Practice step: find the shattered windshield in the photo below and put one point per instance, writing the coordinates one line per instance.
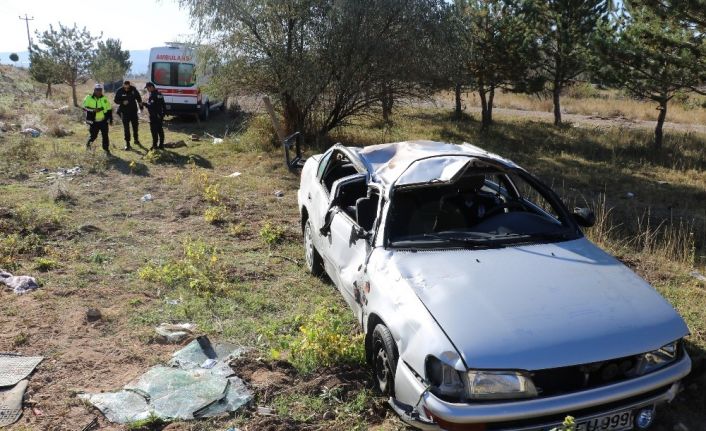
(483, 207)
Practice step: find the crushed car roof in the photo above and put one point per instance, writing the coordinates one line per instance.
(397, 162)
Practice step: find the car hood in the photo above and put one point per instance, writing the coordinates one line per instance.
(538, 306)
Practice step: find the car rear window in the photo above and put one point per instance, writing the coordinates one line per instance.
(173, 74)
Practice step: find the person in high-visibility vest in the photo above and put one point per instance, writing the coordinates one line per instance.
(99, 112)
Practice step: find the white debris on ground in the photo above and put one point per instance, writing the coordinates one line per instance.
(31, 131)
(14, 371)
(174, 333)
(196, 383)
(18, 283)
(234, 175)
(147, 198)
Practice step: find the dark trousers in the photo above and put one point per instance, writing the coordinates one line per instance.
(128, 119)
(157, 132)
(102, 127)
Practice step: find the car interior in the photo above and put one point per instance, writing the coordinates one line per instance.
(354, 198)
(479, 202)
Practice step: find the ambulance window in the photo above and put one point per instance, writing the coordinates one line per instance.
(161, 73)
(185, 72)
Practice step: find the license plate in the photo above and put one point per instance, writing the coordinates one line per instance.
(613, 422)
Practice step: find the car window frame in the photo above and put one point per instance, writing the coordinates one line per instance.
(543, 189)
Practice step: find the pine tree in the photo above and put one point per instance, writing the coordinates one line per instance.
(567, 33)
(653, 56)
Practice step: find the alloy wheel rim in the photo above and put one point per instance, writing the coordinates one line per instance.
(309, 245)
(381, 366)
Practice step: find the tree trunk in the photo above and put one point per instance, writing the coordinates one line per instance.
(660, 123)
(491, 97)
(458, 112)
(48, 90)
(73, 92)
(556, 92)
(387, 103)
(483, 107)
(293, 118)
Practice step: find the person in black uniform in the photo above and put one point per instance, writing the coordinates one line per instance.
(129, 101)
(155, 106)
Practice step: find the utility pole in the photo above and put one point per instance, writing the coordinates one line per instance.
(29, 40)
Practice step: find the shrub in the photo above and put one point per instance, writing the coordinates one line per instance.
(211, 193)
(43, 264)
(197, 270)
(271, 234)
(215, 214)
(258, 136)
(325, 339)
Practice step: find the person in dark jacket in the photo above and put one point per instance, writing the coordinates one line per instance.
(129, 102)
(156, 108)
(99, 113)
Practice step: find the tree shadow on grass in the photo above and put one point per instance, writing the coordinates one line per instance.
(218, 125)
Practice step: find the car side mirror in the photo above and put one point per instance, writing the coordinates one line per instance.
(584, 217)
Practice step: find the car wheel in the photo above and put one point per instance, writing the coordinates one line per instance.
(312, 258)
(205, 112)
(384, 359)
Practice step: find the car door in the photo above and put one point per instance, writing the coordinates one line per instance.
(347, 253)
(345, 247)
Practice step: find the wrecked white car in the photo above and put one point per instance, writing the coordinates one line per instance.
(484, 306)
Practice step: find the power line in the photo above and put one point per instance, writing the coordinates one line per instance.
(29, 39)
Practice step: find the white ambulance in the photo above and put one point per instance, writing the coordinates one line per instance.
(172, 68)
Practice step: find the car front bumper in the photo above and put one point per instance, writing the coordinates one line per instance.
(540, 413)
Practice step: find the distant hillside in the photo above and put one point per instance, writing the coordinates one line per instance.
(140, 59)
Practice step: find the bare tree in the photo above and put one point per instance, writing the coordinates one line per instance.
(326, 61)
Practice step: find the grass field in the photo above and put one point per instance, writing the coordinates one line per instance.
(585, 99)
(224, 253)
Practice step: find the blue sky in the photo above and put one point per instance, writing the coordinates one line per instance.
(139, 24)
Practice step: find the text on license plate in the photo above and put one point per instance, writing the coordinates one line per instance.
(612, 422)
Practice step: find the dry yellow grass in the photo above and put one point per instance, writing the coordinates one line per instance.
(601, 103)
(606, 107)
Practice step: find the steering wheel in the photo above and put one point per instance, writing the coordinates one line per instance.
(505, 205)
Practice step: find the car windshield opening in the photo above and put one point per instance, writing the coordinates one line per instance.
(486, 207)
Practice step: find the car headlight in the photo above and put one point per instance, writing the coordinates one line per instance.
(499, 385)
(453, 385)
(446, 382)
(656, 359)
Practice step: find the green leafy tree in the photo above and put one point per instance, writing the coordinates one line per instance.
(71, 49)
(44, 69)
(653, 57)
(498, 48)
(111, 62)
(326, 61)
(567, 31)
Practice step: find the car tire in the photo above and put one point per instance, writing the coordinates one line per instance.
(384, 360)
(312, 258)
(205, 112)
